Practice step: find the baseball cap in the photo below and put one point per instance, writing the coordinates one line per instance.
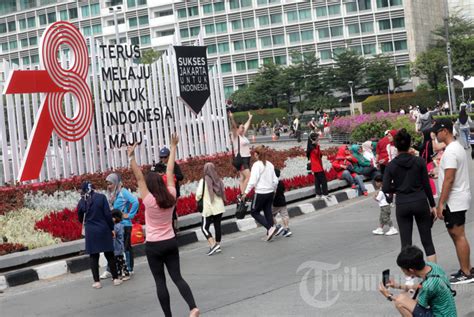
(442, 123)
(164, 152)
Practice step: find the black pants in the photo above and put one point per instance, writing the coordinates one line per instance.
(263, 202)
(382, 169)
(163, 253)
(206, 223)
(420, 210)
(94, 260)
(127, 243)
(320, 183)
(121, 266)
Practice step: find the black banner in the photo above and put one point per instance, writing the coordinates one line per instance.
(193, 76)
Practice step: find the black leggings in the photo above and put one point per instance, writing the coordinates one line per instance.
(206, 223)
(420, 210)
(94, 260)
(263, 202)
(163, 253)
(127, 242)
(320, 183)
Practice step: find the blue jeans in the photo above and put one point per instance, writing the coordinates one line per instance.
(357, 179)
(465, 135)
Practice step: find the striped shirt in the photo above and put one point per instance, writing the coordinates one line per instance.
(435, 293)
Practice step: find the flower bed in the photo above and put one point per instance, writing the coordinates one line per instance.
(6, 248)
(45, 214)
(350, 123)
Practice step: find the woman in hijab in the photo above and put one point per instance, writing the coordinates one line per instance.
(464, 125)
(94, 211)
(211, 190)
(121, 199)
(368, 153)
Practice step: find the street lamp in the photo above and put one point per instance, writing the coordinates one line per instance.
(114, 10)
(446, 70)
(351, 84)
(450, 63)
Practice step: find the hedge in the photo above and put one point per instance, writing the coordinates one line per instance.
(269, 115)
(453, 117)
(398, 100)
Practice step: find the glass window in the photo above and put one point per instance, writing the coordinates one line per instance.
(384, 24)
(131, 3)
(63, 15)
(194, 30)
(4, 47)
(228, 90)
(369, 49)
(12, 26)
(26, 60)
(338, 51)
(325, 55)
(33, 40)
(321, 11)
(133, 22)
(262, 2)
(403, 71)
(351, 7)
(238, 45)
(294, 37)
(323, 33)
(276, 18)
(143, 20)
(263, 20)
(86, 30)
(226, 67)
(245, 3)
(307, 35)
(51, 17)
(72, 14)
(401, 45)
(252, 64)
(365, 5)
(219, 6)
(182, 13)
(141, 2)
(367, 27)
(95, 9)
(34, 59)
(207, 8)
(278, 39)
(193, 11)
(398, 23)
(42, 19)
(353, 29)
(31, 22)
(135, 40)
(357, 49)
(145, 39)
(236, 25)
(292, 16)
(337, 31)
(210, 28)
(251, 43)
(184, 33)
(234, 4)
(280, 60)
(24, 43)
(248, 23)
(305, 14)
(267, 60)
(85, 12)
(96, 29)
(13, 45)
(334, 9)
(395, 2)
(382, 3)
(240, 66)
(266, 41)
(221, 27)
(223, 47)
(21, 22)
(211, 49)
(387, 47)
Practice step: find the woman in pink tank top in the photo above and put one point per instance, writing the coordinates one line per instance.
(161, 244)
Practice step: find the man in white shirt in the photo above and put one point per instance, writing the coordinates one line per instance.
(453, 179)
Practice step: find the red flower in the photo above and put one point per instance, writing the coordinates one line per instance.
(62, 224)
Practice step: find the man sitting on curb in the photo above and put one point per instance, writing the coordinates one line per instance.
(433, 297)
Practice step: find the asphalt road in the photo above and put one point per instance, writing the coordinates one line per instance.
(330, 267)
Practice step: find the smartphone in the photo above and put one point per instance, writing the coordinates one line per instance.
(385, 277)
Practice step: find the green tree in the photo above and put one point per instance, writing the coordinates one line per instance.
(348, 66)
(378, 71)
(429, 65)
(149, 56)
(268, 84)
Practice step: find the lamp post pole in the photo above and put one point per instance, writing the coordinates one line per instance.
(450, 63)
(351, 83)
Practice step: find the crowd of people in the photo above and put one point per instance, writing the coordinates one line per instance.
(403, 176)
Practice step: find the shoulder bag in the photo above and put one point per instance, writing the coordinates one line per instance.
(200, 203)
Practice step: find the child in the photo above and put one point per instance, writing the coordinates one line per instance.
(119, 248)
(384, 210)
(279, 207)
(313, 153)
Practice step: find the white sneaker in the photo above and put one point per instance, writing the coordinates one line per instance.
(392, 231)
(318, 197)
(117, 282)
(378, 231)
(105, 275)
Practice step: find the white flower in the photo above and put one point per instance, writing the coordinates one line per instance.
(57, 201)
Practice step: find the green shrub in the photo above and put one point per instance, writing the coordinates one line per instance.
(405, 122)
(422, 98)
(369, 131)
(268, 115)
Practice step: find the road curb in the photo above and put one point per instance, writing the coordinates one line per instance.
(81, 263)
